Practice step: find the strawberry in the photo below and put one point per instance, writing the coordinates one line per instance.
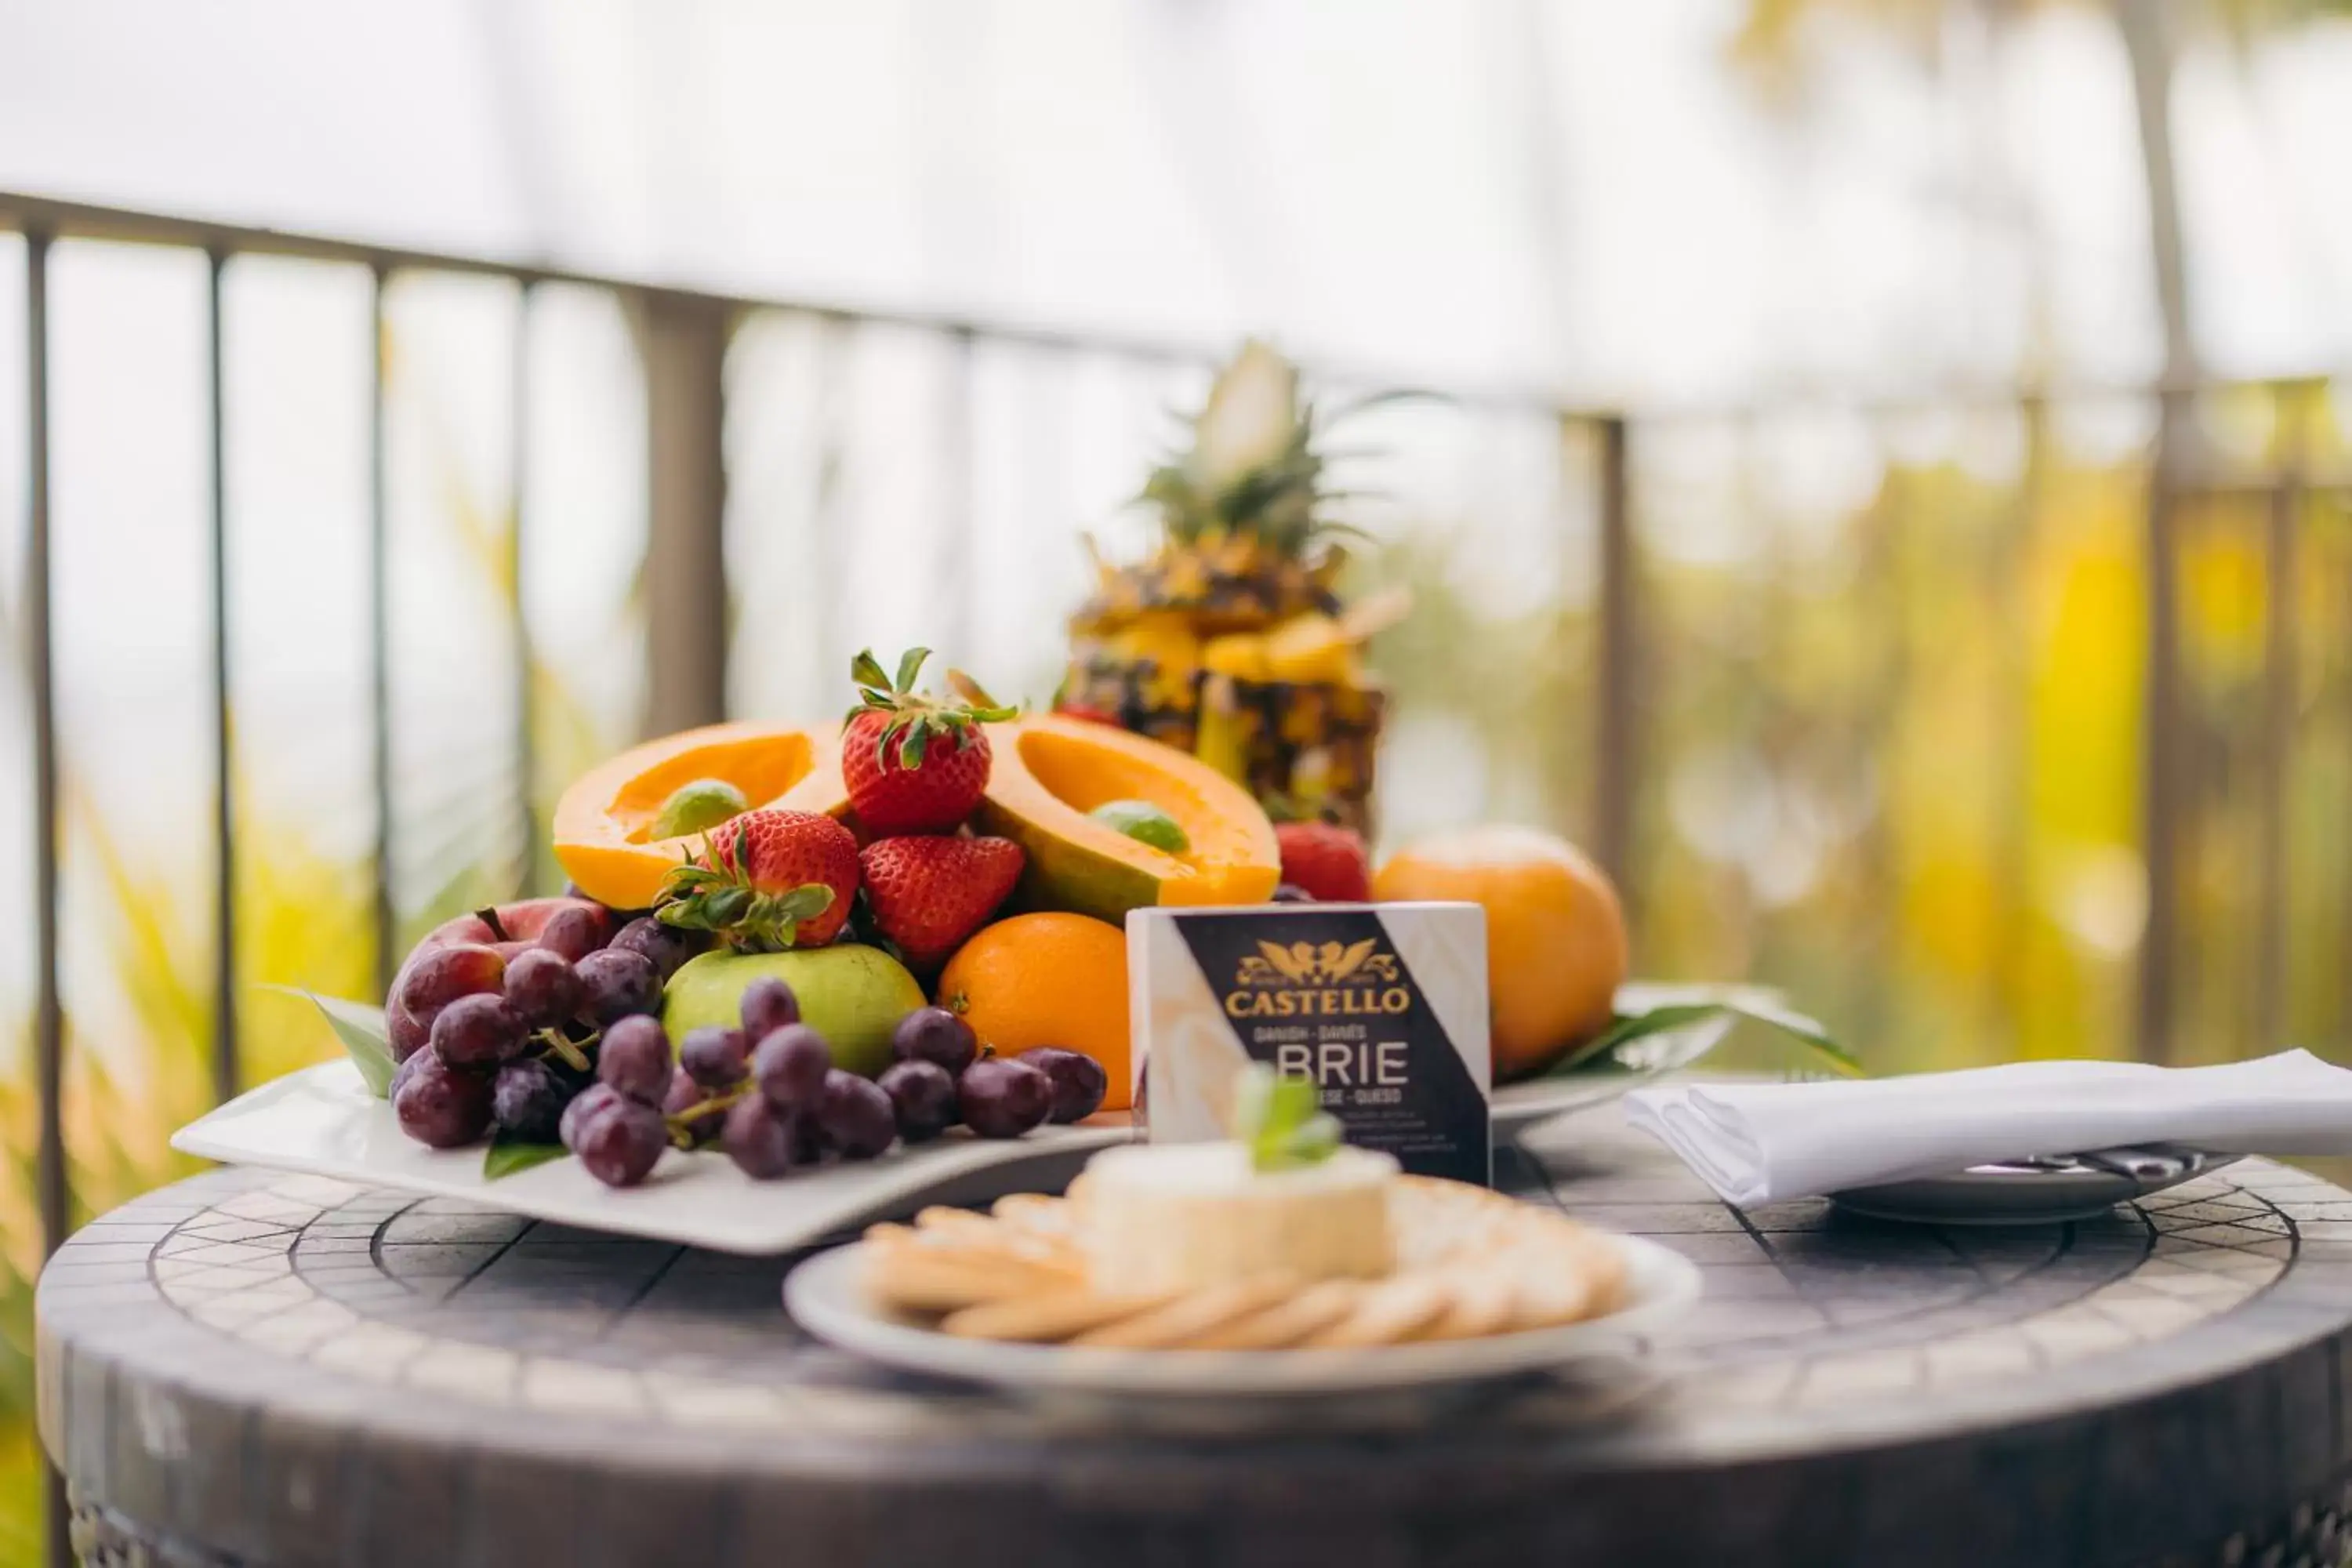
(928, 893)
(765, 880)
(1325, 860)
(913, 763)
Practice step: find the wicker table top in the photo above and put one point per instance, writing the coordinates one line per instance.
(259, 1369)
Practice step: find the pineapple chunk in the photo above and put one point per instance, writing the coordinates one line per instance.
(1311, 649)
(1238, 653)
(1167, 640)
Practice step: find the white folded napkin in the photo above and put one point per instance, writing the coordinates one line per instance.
(1760, 1143)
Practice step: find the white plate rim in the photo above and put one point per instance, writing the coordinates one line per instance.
(693, 1199)
(824, 1297)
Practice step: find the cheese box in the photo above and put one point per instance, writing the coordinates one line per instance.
(1384, 1006)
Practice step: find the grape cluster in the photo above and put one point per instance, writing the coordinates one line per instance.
(558, 1039)
(788, 1107)
(508, 1036)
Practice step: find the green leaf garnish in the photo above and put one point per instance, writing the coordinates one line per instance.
(359, 1026)
(508, 1153)
(1281, 1122)
(1680, 1008)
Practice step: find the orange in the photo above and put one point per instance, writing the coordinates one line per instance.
(1047, 979)
(1556, 948)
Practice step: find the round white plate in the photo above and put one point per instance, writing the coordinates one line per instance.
(828, 1298)
(1618, 1073)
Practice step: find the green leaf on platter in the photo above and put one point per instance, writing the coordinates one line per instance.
(1669, 1013)
(359, 1026)
(508, 1153)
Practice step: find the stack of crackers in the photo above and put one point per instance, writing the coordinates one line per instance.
(1470, 1263)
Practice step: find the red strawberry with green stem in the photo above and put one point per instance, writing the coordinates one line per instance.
(766, 880)
(928, 893)
(914, 763)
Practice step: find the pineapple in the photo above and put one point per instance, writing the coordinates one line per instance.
(1228, 641)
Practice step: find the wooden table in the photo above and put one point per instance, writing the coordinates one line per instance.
(253, 1369)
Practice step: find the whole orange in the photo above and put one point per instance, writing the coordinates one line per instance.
(1046, 979)
(1556, 949)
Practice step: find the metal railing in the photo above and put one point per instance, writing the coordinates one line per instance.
(683, 337)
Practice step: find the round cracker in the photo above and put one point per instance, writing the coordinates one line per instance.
(1394, 1312)
(1046, 1319)
(1286, 1323)
(1191, 1317)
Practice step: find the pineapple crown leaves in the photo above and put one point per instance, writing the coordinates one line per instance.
(1256, 461)
(915, 721)
(715, 894)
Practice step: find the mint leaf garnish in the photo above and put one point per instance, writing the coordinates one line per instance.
(1281, 1122)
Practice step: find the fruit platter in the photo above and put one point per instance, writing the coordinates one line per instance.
(809, 974)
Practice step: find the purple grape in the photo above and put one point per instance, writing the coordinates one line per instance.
(617, 986)
(664, 947)
(529, 1099)
(790, 1064)
(684, 1094)
(405, 1034)
(1003, 1098)
(763, 1142)
(543, 988)
(634, 1060)
(1292, 893)
(438, 976)
(854, 1116)
(590, 1101)
(441, 1106)
(479, 1031)
(622, 1143)
(403, 1068)
(576, 930)
(922, 1098)
(768, 1004)
(935, 1035)
(715, 1057)
(1080, 1081)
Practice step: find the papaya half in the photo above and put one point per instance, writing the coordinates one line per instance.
(1048, 771)
(603, 827)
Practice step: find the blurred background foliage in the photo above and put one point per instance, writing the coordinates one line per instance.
(1890, 655)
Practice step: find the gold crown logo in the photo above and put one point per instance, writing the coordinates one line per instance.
(1307, 964)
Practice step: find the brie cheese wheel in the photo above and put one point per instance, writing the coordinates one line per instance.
(1172, 1217)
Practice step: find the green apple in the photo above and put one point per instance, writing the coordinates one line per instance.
(852, 994)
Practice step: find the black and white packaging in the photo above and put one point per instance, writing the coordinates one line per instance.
(1384, 1006)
